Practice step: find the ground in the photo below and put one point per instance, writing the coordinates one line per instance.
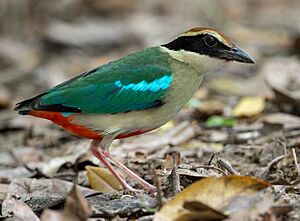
(243, 121)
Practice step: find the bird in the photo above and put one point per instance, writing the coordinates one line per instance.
(134, 94)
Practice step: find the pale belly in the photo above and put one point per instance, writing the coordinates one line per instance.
(127, 122)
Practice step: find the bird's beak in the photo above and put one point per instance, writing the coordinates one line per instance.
(237, 54)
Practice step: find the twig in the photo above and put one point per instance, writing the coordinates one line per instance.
(174, 179)
(93, 194)
(211, 158)
(63, 175)
(211, 167)
(295, 160)
(17, 160)
(263, 174)
(228, 167)
(146, 218)
(158, 189)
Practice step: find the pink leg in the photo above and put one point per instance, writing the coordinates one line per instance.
(100, 155)
(147, 186)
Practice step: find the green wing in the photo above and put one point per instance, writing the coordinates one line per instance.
(136, 82)
(110, 90)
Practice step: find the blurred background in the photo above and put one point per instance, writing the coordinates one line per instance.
(43, 43)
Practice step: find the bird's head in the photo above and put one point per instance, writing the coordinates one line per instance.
(205, 47)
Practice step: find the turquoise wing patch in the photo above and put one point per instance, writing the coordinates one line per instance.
(162, 83)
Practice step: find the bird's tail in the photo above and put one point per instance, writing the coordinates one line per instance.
(24, 107)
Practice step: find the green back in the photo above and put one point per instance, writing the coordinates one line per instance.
(136, 82)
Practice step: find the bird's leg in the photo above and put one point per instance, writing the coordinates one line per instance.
(98, 152)
(147, 186)
(103, 153)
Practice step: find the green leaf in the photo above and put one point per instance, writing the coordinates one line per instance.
(218, 121)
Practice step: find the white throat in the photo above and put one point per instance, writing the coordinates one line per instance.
(200, 62)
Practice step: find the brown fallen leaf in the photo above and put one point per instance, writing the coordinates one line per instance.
(171, 160)
(3, 191)
(120, 205)
(13, 173)
(76, 209)
(21, 211)
(282, 76)
(4, 98)
(213, 192)
(209, 108)
(287, 120)
(205, 146)
(250, 207)
(39, 193)
(197, 210)
(102, 180)
(70, 157)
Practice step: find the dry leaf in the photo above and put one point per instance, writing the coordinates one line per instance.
(282, 76)
(121, 205)
(20, 211)
(225, 85)
(13, 173)
(38, 193)
(211, 107)
(287, 120)
(102, 180)
(249, 106)
(171, 159)
(76, 209)
(70, 157)
(3, 191)
(4, 98)
(250, 207)
(197, 210)
(209, 147)
(212, 192)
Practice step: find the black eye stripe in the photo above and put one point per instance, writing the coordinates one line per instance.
(194, 43)
(205, 44)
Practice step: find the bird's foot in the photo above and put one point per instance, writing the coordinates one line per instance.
(129, 188)
(102, 155)
(146, 186)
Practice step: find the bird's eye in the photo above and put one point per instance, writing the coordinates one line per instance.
(210, 41)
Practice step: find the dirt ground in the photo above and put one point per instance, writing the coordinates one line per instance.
(244, 121)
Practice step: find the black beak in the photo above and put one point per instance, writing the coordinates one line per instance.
(237, 54)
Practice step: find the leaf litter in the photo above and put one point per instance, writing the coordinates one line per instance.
(244, 119)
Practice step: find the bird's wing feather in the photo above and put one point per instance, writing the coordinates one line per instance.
(109, 89)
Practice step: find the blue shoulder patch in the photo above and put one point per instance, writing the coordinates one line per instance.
(162, 83)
